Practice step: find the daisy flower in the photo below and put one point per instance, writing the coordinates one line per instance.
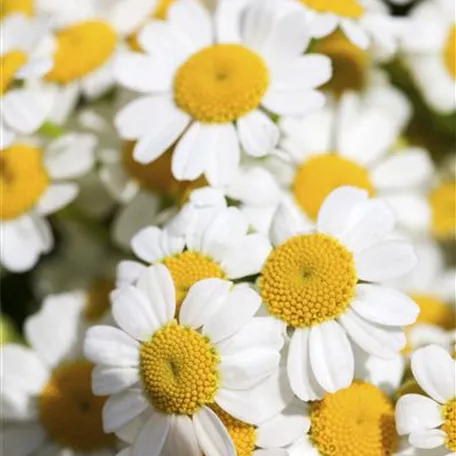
(47, 403)
(430, 50)
(216, 354)
(430, 420)
(311, 282)
(25, 55)
(34, 183)
(207, 90)
(24, 7)
(355, 143)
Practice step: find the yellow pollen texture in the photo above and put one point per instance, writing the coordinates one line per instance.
(434, 311)
(356, 421)
(69, 411)
(16, 6)
(81, 49)
(308, 280)
(190, 267)
(242, 434)
(450, 52)
(350, 63)
(449, 426)
(443, 206)
(221, 83)
(317, 177)
(345, 8)
(98, 301)
(9, 65)
(179, 369)
(23, 179)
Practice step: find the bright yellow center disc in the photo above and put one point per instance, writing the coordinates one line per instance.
(221, 83)
(356, 421)
(9, 65)
(345, 8)
(308, 280)
(450, 53)
(443, 206)
(317, 177)
(434, 311)
(179, 369)
(81, 49)
(449, 415)
(98, 301)
(23, 179)
(69, 411)
(16, 6)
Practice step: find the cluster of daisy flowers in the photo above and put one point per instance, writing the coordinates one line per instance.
(227, 227)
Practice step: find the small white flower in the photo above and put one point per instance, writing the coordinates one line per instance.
(170, 367)
(430, 421)
(311, 281)
(207, 89)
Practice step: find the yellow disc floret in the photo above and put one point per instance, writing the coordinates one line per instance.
(9, 65)
(16, 6)
(443, 206)
(317, 177)
(350, 63)
(308, 280)
(70, 412)
(221, 83)
(345, 8)
(81, 49)
(450, 52)
(179, 370)
(190, 267)
(449, 426)
(98, 301)
(433, 311)
(242, 434)
(23, 179)
(356, 421)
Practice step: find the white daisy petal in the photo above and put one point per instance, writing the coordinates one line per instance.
(294, 102)
(22, 440)
(112, 380)
(128, 272)
(411, 210)
(181, 439)
(323, 24)
(213, 438)
(428, 439)
(153, 436)
(56, 197)
(415, 412)
(111, 346)
(331, 356)
(355, 33)
(435, 371)
(258, 19)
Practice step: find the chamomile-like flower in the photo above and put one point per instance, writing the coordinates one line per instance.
(206, 89)
(430, 52)
(47, 402)
(178, 367)
(430, 420)
(25, 55)
(34, 183)
(311, 281)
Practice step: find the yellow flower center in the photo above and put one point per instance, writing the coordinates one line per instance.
(221, 83)
(350, 63)
(450, 52)
(16, 6)
(308, 280)
(9, 65)
(98, 301)
(190, 267)
(443, 206)
(23, 179)
(69, 411)
(242, 434)
(317, 177)
(81, 49)
(433, 311)
(449, 427)
(179, 369)
(345, 8)
(356, 421)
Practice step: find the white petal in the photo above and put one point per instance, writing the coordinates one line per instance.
(128, 272)
(385, 306)
(258, 134)
(386, 260)
(355, 33)
(22, 440)
(412, 210)
(323, 24)
(293, 103)
(203, 300)
(122, 408)
(335, 211)
(257, 23)
(181, 440)
(415, 412)
(56, 197)
(112, 380)
(237, 310)
(111, 346)
(434, 370)
(302, 379)
(153, 435)
(331, 356)
(213, 438)
(428, 439)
